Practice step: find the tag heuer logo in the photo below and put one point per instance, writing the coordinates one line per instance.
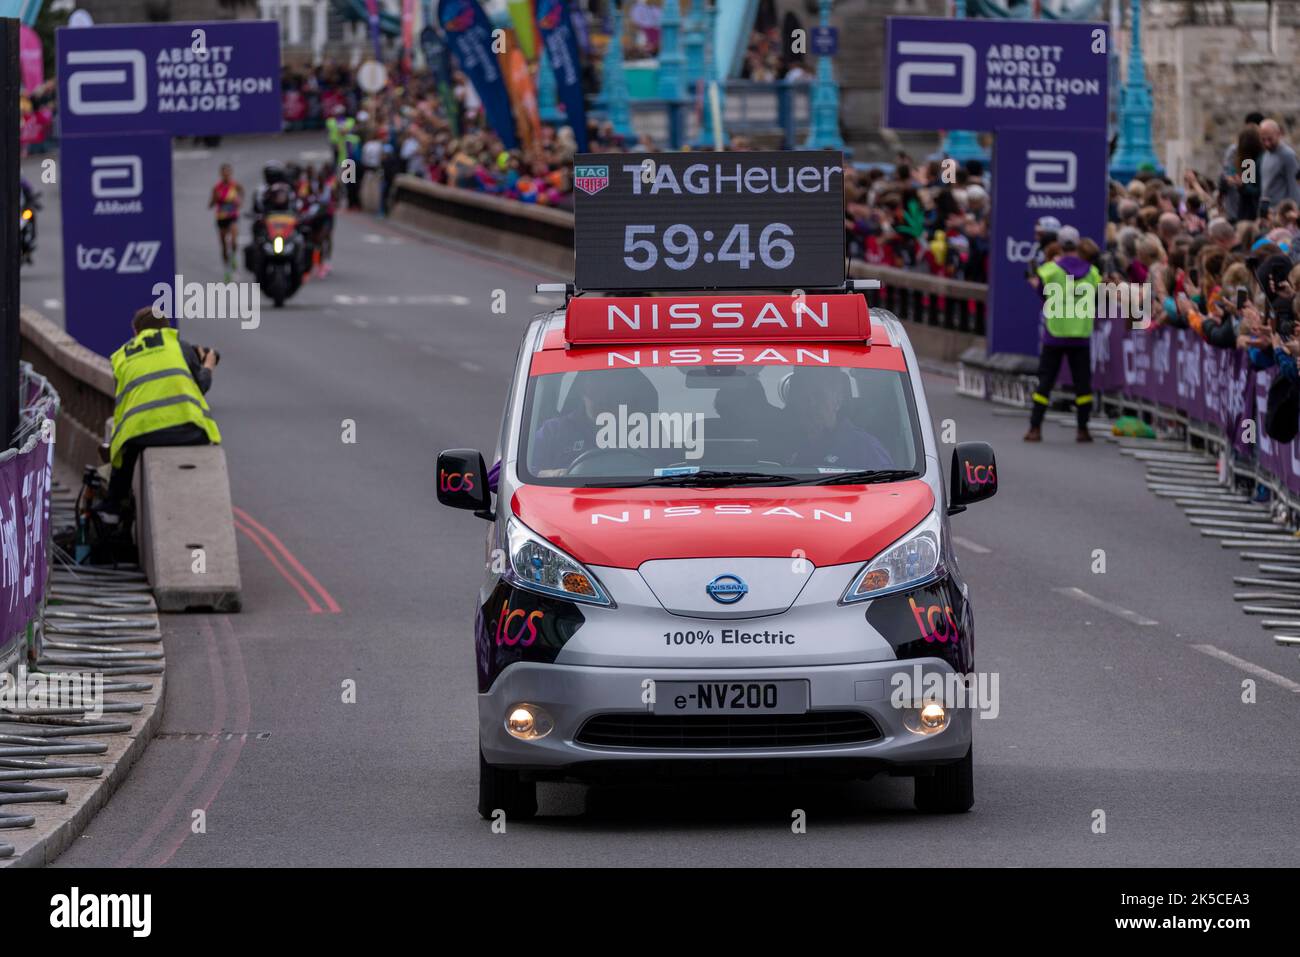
(591, 179)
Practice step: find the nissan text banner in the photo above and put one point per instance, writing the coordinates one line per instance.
(686, 437)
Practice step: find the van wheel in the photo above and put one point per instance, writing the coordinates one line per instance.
(949, 790)
(500, 789)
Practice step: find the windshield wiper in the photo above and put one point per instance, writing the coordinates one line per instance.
(706, 477)
(863, 477)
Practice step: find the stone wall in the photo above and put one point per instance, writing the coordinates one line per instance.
(1209, 64)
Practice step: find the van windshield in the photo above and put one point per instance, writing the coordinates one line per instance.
(658, 425)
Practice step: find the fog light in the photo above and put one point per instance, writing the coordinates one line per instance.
(933, 716)
(929, 718)
(528, 722)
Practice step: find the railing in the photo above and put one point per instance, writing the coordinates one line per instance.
(952, 304)
(754, 108)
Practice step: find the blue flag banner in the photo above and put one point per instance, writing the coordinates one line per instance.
(469, 33)
(556, 27)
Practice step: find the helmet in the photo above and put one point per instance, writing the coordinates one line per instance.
(274, 172)
(279, 196)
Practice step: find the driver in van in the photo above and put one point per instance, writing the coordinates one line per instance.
(823, 437)
(561, 439)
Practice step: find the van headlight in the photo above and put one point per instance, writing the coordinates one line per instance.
(539, 566)
(911, 561)
(278, 244)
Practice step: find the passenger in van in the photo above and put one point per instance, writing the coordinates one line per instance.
(822, 437)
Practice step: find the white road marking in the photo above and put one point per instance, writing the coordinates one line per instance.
(421, 299)
(376, 239)
(316, 156)
(471, 367)
(967, 543)
(1129, 616)
(52, 304)
(1249, 667)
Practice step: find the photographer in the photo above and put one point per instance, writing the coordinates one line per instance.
(160, 383)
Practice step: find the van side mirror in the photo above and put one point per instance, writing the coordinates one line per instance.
(974, 475)
(462, 481)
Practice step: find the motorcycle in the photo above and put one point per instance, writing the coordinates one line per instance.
(277, 256)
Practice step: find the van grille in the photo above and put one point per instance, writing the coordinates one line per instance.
(725, 731)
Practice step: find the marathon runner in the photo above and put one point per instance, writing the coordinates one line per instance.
(227, 196)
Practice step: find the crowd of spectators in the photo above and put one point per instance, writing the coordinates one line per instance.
(931, 217)
(1222, 256)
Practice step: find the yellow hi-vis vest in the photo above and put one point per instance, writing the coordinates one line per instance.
(1069, 304)
(155, 390)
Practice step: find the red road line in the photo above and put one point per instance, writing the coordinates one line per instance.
(256, 540)
(202, 758)
(242, 708)
(330, 604)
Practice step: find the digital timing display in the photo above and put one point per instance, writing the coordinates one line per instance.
(650, 221)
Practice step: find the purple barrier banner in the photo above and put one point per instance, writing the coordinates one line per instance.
(964, 74)
(188, 79)
(24, 533)
(1176, 368)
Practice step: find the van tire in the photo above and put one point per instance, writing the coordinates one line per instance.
(949, 790)
(500, 789)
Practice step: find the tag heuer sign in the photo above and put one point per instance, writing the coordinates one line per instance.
(591, 179)
(762, 220)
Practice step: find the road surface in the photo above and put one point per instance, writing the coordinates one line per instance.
(352, 573)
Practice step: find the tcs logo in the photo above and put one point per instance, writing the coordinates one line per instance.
(455, 481)
(516, 626)
(935, 622)
(980, 474)
(1020, 251)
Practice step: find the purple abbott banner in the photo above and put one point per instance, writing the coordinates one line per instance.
(982, 74)
(1061, 174)
(116, 194)
(185, 78)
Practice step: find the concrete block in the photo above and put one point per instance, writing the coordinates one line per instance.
(183, 504)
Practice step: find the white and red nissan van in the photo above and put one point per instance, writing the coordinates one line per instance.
(719, 543)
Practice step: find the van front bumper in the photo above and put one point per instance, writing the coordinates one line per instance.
(573, 694)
